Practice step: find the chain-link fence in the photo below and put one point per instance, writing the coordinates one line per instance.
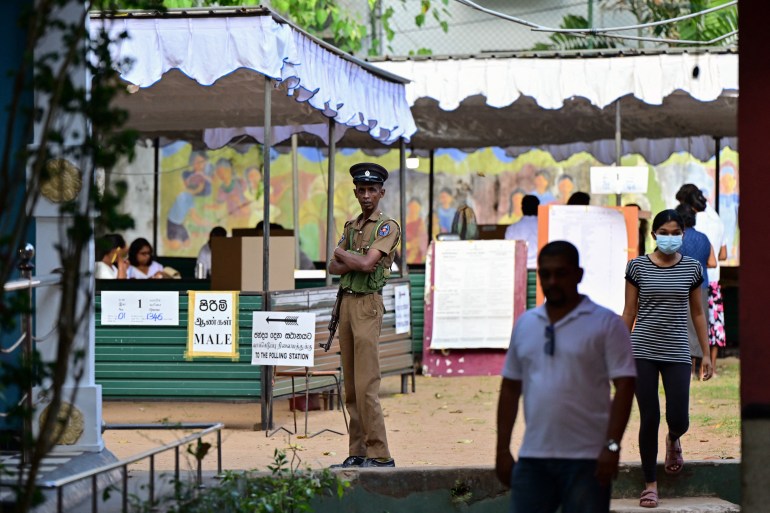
(473, 32)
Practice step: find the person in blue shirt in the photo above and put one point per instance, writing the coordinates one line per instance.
(696, 245)
(446, 211)
(543, 188)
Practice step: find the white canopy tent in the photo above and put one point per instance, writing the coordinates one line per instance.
(606, 102)
(208, 75)
(555, 99)
(196, 70)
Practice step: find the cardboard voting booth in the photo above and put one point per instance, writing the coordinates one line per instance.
(236, 263)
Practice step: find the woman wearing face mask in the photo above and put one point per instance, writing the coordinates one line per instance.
(659, 288)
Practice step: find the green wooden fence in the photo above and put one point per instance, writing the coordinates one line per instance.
(149, 362)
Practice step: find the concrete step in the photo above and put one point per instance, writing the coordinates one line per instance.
(680, 505)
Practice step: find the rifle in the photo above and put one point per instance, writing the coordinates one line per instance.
(334, 321)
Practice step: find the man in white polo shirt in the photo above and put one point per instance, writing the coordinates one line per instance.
(562, 358)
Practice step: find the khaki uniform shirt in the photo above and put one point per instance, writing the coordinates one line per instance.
(386, 239)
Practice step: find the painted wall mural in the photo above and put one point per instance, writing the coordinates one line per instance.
(199, 190)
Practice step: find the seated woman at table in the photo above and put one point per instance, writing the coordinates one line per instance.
(142, 264)
(111, 263)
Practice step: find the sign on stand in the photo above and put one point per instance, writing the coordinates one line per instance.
(619, 179)
(283, 338)
(145, 308)
(403, 323)
(212, 328)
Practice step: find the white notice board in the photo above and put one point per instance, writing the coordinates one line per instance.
(283, 338)
(212, 328)
(403, 322)
(473, 290)
(143, 308)
(601, 237)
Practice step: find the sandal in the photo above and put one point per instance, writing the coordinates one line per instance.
(674, 460)
(649, 499)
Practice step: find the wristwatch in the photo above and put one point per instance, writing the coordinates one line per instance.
(613, 446)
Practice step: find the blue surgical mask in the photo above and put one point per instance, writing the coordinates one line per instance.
(669, 244)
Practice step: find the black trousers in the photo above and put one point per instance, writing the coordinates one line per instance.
(676, 385)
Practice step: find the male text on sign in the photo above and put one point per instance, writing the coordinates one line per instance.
(283, 338)
(213, 325)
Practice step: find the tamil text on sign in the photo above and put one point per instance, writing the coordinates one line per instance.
(212, 328)
(283, 338)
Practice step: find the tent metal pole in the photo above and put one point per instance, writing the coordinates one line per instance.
(402, 201)
(431, 184)
(156, 191)
(618, 143)
(266, 176)
(267, 370)
(330, 202)
(295, 195)
(717, 170)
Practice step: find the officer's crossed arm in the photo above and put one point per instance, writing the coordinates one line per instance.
(337, 267)
(345, 261)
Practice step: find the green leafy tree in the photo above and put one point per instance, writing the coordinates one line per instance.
(334, 22)
(565, 41)
(701, 28)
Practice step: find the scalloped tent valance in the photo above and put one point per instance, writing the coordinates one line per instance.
(537, 101)
(194, 72)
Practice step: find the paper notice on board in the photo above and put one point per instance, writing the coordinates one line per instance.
(473, 294)
(601, 238)
(403, 310)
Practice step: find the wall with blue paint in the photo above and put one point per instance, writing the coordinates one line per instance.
(12, 41)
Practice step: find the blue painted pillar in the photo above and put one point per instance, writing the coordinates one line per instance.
(12, 41)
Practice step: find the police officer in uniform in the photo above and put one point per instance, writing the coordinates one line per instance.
(363, 258)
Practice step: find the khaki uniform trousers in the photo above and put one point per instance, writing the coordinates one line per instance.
(359, 331)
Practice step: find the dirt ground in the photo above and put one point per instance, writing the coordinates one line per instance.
(447, 422)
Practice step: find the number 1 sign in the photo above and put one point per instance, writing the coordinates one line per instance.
(141, 308)
(212, 326)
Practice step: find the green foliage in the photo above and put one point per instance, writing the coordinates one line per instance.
(330, 20)
(712, 25)
(700, 28)
(562, 41)
(286, 489)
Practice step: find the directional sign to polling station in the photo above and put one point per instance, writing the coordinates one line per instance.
(283, 338)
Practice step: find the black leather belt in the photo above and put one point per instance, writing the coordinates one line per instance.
(352, 293)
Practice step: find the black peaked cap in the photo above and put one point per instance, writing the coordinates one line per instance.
(367, 172)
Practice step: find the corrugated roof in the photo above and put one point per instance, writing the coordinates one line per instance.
(563, 54)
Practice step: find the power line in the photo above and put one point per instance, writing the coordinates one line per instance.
(603, 31)
(486, 19)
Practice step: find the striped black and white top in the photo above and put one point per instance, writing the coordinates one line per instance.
(660, 332)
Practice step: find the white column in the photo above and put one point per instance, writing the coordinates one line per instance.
(84, 429)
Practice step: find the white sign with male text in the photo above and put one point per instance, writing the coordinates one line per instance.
(283, 338)
(213, 325)
(139, 308)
